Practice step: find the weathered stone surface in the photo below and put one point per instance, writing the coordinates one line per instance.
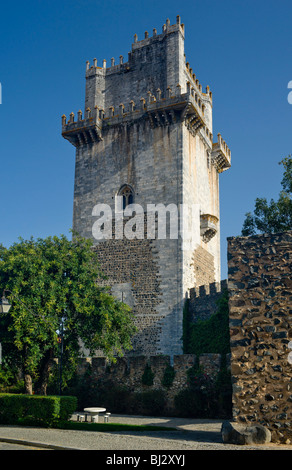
(260, 305)
(234, 433)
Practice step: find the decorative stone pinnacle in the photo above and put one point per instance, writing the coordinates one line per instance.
(131, 105)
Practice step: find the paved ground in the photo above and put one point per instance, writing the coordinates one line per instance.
(189, 435)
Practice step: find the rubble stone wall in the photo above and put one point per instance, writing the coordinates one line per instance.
(260, 305)
(127, 372)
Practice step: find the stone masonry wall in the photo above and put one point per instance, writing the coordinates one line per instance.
(259, 281)
(203, 300)
(132, 273)
(203, 264)
(128, 371)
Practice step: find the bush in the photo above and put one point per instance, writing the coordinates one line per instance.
(168, 376)
(223, 390)
(206, 397)
(188, 404)
(198, 400)
(151, 402)
(209, 336)
(35, 409)
(148, 376)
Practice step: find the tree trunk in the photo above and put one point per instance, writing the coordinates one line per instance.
(28, 384)
(44, 374)
(26, 373)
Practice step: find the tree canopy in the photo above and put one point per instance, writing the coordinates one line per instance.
(273, 216)
(54, 280)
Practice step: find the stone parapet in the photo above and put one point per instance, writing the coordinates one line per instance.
(203, 300)
(158, 109)
(128, 371)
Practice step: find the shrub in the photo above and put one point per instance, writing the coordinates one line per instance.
(223, 390)
(115, 398)
(150, 402)
(35, 409)
(209, 336)
(148, 376)
(198, 400)
(188, 404)
(205, 397)
(168, 376)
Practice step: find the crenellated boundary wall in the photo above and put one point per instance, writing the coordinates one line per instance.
(127, 373)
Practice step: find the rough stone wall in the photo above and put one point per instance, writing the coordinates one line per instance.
(133, 274)
(203, 266)
(259, 281)
(203, 300)
(128, 371)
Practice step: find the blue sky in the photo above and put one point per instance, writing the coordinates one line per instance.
(241, 49)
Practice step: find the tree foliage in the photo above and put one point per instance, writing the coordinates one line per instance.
(211, 335)
(273, 216)
(53, 280)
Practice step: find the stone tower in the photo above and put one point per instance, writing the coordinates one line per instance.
(146, 136)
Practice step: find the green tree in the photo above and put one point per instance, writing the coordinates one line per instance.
(53, 280)
(273, 216)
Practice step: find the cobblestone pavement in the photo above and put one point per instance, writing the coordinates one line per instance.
(190, 435)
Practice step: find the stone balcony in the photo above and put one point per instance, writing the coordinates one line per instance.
(221, 155)
(208, 226)
(82, 131)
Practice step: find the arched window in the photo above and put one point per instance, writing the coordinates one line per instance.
(128, 195)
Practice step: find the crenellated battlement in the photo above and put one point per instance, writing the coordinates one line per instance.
(195, 86)
(167, 29)
(208, 289)
(85, 130)
(161, 109)
(203, 300)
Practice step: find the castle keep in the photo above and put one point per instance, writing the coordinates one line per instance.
(146, 135)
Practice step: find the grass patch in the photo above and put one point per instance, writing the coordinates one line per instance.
(111, 427)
